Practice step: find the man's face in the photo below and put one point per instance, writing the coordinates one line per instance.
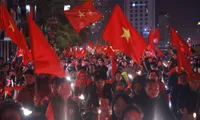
(118, 77)
(101, 63)
(29, 78)
(194, 85)
(82, 76)
(153, 76)
(64, 91)
(152, 90)
(73, 74)
(183, 79)
(100, 84)
(132, 115)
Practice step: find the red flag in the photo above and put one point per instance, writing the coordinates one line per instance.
(12, 31)
(151, 36)
(20, 52)
(121, 35)
(114, 66)
(183, 63)
(156, 37)
(81, 53)
(49, 112)
(83, 15)
(90, 44)
(44, 58)
(179, 43)
(160, 53)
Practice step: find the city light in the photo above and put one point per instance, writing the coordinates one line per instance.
(133, 4)
(81, 97)
(194, 115)
(26, 112)
(67, 7)
(189, 38)
(28, 9)
(68, 78)
(130, 76)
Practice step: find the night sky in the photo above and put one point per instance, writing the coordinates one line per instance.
(184, 15)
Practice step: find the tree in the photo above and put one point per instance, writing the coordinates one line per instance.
(65, 35)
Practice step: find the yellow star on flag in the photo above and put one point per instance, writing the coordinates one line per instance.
(126, 34)
(11, 26)
(81, 14)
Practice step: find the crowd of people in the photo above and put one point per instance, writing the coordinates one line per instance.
(92, 90)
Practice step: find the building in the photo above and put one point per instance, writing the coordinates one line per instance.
(164, 27)
(141, 14)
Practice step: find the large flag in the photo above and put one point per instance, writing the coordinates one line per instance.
(82, 15)
(45, 59)
(179, 43)
(11, 30)
(153, 40)
(121, 35)
(183, 63)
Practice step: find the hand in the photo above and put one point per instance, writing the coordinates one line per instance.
(184, 111)
(37, 99)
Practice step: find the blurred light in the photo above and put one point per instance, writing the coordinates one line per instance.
(99, 111)
(133, 4)
(67, 7)
(176, 31)
(194, 115)
(167, 42)
(198, 23)
(189, 38)
(145, 29)
(81, 97)
(26, 111)
(72, 85)
(93, 24)
(139, 72)
(165, 64)
(68, 78)
(170, 104)
(130, 76)
(28, 9)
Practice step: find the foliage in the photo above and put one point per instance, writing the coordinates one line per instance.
(65, 35)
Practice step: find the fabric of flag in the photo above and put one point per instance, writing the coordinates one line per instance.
(49, 112)
(90, 44)
(123, 36)
(12, 31)
(82, 15)
(81, 53)
(179, 43)
(183, 63)
(45, 59)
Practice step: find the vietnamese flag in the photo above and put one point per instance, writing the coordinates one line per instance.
(123, 36)
(49, 112)
(90, 44)
(81, 53)
(179, 43)
(82, 15)
(11, 30)
(183, 63)
(45, 59)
